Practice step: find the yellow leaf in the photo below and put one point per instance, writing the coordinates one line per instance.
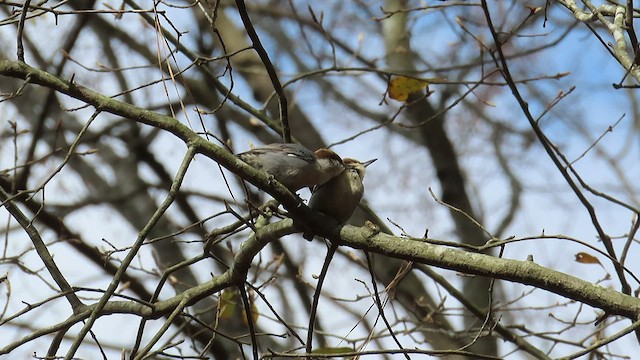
(401, 87)
(227, 304)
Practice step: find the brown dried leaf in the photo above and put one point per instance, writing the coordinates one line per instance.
(585, 258)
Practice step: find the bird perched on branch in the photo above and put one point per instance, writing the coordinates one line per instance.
(293, 165)
(339, 197)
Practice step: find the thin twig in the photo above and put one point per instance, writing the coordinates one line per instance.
(163, 329)
(630, 239)
(316, 296)
(70, 153)
(249, 316)
(604, 133)
(23, 18)
(376, 297)
(257, 45)
(605, 341)
(463, 213)
(42, 250)
(504, 331)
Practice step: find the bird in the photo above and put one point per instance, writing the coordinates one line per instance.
(293, 165)
(339, 197)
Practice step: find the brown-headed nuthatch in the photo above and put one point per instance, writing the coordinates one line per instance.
(293, 165)
(339, 197)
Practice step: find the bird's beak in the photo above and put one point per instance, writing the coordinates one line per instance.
(368, 162)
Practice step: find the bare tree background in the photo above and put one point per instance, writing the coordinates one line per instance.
(499, 222)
